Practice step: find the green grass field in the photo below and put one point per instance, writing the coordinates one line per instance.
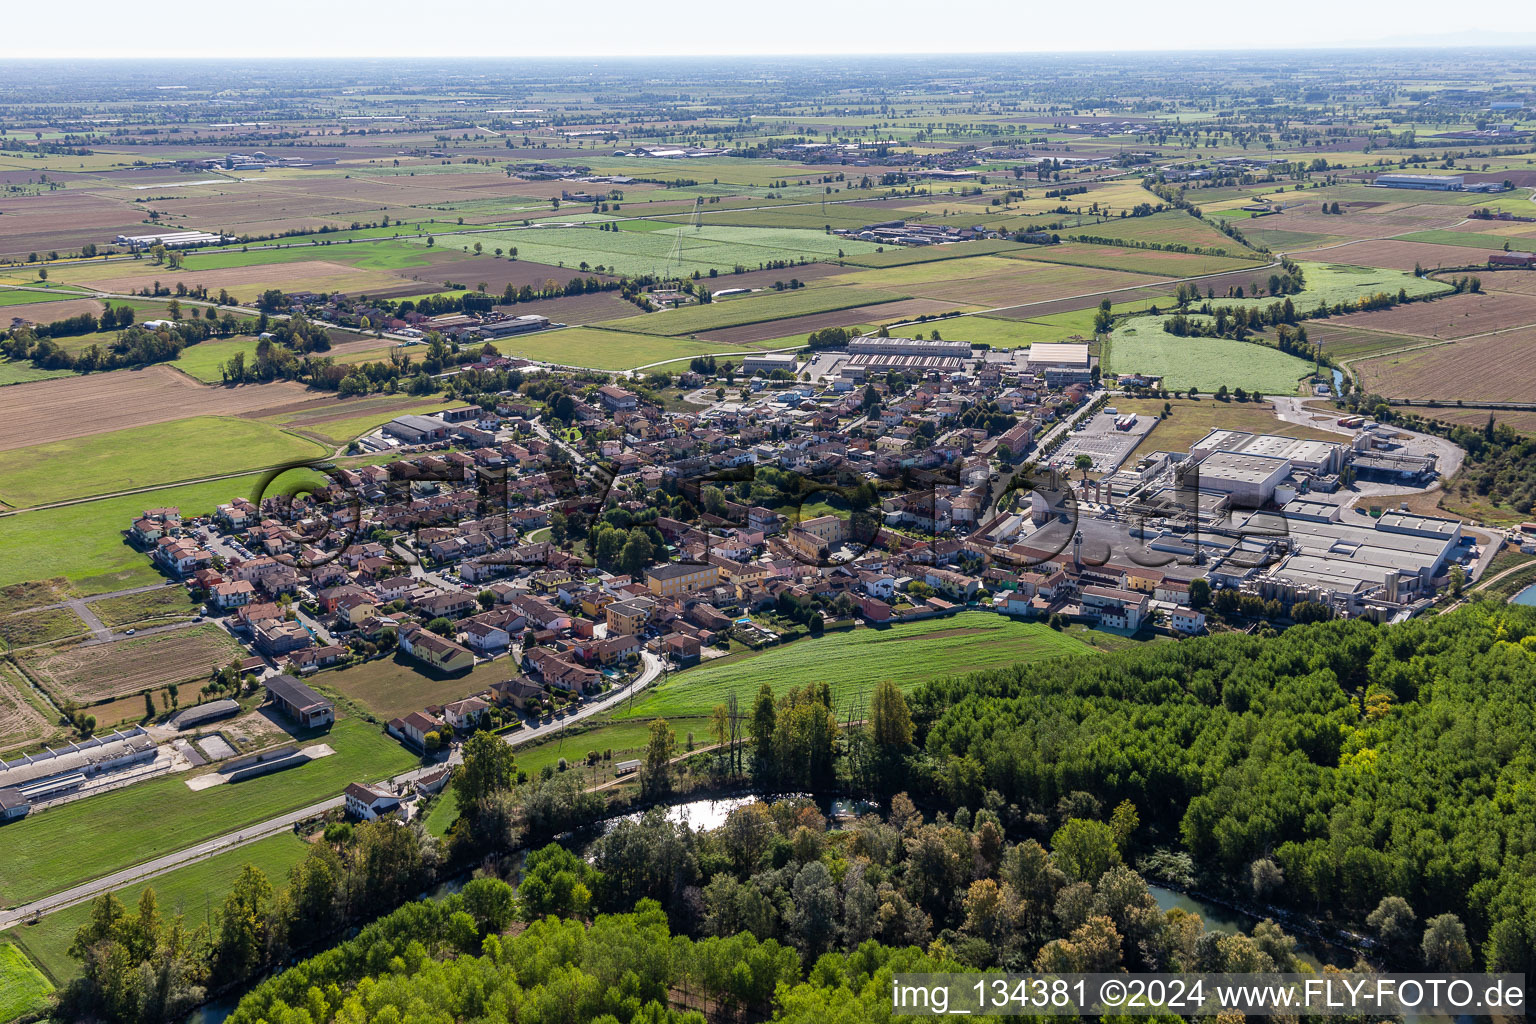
(721, 248)
(397, 685)
(751, 309)
(1172, 227)
(624, 738)
(196, 891)
(84, 543)
(23, 988)
(1332, 283)
(202, 360)
(22, 372)
(145, 456)
(1141, 346)
(904, 256)
(1141, 261)
(853, 662)
(44, 853)
(443, 813)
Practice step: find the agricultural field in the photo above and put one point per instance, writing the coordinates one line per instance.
(1332, 283)
(1140, 345)
(1455, 316)
(751, 309)
(12, 372)
(97, 403)
(1173, 227)
(146, 456)
(792, 331)
(1139, 261)
(151, 608)
(43, 854)
(1345, 344)
(22, 631)
(22, 718)
(1395, 254)
(339, 423)
(601, 348)
(196, 891)
(1492, 368)
(853, 662)
(24, 990)
(706, 248)
(905, 256)
(91, 673)
(996, 281)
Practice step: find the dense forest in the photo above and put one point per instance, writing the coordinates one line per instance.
(1374, 782)
(1343, 762)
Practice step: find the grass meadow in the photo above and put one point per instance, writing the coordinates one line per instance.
(853, 662)
(161, 453)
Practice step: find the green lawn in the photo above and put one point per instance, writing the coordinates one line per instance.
(47, 852)
(144, 456)
(202, 360)
(23, 989)
(444, 812)
(84, 543)
(196, 891)
(853, 662)
(1141, 345)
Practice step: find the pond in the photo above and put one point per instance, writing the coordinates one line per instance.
(1220, 918)
(1526, 596)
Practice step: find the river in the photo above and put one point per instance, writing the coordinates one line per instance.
(1526, 596)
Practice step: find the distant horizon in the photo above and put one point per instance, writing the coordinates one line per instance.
(97, 30)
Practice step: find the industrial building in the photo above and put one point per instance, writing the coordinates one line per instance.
(917, 355)
(1061, 364)
(1429, 182)
(768, 362)
(172, 240)
(417, 429)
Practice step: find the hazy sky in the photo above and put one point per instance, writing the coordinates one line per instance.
(324, 28)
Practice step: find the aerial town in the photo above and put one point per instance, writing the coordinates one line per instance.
(464, 531)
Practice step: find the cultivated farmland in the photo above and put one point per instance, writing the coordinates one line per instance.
(1456, 316)
(87, 673)
(54, 410)
(1494, 368)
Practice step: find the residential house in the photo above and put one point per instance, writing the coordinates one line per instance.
(370, 803)
(438, 652)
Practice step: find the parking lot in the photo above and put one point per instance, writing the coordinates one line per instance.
(1100, 441)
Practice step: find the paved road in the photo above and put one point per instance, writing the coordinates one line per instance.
(283, 822)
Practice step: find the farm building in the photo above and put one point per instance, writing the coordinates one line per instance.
(299, 702)
(1429, 182)
(1512, 259)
